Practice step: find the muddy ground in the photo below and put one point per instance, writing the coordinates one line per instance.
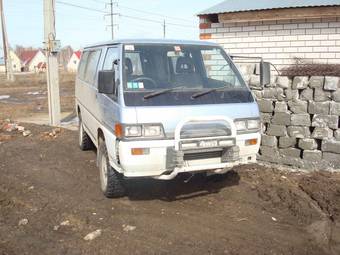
(50, 199)
(252, 210)
(27, 96)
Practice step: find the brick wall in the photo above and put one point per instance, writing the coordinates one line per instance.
(301, 121)
(279, 42)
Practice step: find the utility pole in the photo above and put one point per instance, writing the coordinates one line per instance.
(7, 55)
(52, 46)
(164, 29)
(112, 14)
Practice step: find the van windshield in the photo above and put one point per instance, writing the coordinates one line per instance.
(160, 72)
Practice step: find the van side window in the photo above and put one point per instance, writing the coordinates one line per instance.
(82, 65)
(111, 55)
(91, 67)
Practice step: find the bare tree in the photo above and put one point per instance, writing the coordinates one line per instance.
(64, 56)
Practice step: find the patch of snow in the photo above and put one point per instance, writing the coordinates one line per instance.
(33, 93)
(93, 235)
(2, 97)
(128, 228)
(23, 222)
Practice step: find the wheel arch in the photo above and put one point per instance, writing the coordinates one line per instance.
(78, 110)
(100, 134)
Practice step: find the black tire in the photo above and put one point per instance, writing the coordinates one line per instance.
(85, 142)
(112, 182)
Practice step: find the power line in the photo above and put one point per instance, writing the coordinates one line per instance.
(154, 21)
(98, 1)
(82, 7)
(146, 12)
(126, 16)
(153, 13)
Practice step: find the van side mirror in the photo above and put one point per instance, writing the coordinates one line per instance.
(264, 73)
(106, 82)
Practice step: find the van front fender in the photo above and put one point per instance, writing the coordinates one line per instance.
(111, 143)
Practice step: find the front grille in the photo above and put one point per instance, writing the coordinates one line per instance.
(202, 155)
(205, 129)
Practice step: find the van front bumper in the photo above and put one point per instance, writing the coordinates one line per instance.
(164, 162)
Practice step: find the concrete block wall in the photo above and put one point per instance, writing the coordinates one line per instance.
(316, 40)
(301, 121)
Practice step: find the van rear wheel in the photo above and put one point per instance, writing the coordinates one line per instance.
(85, 142)
(111, 182)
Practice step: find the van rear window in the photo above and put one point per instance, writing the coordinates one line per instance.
(82, 65)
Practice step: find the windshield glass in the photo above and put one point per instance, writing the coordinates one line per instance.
(156, 73)
(153, 67)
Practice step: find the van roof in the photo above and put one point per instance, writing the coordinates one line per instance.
(151, 41)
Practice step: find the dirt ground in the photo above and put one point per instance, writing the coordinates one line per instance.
(28, 95)
(252, 210)
(50, 199)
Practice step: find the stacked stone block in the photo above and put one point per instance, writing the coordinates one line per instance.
(300, 121)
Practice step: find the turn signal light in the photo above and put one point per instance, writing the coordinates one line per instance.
(251, 141)
(119, 130)
(140, 151)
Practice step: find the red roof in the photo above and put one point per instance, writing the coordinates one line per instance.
(77, 53)
(27, 56)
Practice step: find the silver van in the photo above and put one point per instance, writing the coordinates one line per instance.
(157, 108)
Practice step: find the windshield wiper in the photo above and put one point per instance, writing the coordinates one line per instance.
(160, 92)
(202, 93)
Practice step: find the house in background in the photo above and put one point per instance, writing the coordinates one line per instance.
(72, 65)
(32, 61)
(279, 31)
(16, 63)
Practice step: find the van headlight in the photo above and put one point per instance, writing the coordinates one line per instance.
(247, 125)
(132, 131)
(152, 130)
(139, 131)
(241, 125)
(253, 124)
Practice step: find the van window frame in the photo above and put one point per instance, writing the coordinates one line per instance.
(82, 77)
(93, 82)
(115, 96)
(83, 62)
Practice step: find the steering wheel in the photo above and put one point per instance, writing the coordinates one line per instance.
(144, 78)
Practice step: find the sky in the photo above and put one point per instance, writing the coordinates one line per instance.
(78, 27)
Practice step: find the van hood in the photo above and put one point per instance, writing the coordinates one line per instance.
(170, 116)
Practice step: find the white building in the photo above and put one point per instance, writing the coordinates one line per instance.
(33, 61)
(278, 31)
(73, 63)
(16, 63)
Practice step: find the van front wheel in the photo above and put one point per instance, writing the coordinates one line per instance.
(111, 181)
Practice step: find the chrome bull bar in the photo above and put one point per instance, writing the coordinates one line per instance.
(178, 152)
